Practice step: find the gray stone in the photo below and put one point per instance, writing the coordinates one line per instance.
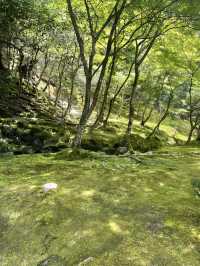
(53, 260)
(122, 150)
(86, 261)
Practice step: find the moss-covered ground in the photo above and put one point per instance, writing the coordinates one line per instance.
(107, 210)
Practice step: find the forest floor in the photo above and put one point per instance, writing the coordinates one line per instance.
(107, 210)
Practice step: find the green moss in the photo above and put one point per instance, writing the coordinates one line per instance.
(196, 186)
(107, 210)
(100, 140)
(137, 143)
(25, 135)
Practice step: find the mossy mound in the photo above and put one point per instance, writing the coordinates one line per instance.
(112, 143)
(138, 143)
(32, 136)
(100, 140)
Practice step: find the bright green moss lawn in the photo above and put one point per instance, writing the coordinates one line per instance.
(107, 210)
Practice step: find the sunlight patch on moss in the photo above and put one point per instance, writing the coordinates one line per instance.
(88, 193)
(115, 227)
(107, 208)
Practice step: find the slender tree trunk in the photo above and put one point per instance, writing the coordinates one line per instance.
(190, 135)
(118, 90)
(140, 55)
(73, 74)
(193, 126)
(69, 106)
(20, 71)
(100, 117)
(105, 121)
(192, 123)
(131, 101)
(48, 82)
(61, 73)
(143, 116)
(198, 133)
(85, 114)
(146, 119)
(164, 116)
(1, 59)
(46, 61)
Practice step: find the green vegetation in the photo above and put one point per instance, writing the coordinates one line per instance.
(109, 209)
(99, 132)
(83, 62)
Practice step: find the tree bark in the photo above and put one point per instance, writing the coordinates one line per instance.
(88, 66)
(190, 135)
(100, 116)
(131, 101)
(163, 117)
(113, 99)
(146, 119)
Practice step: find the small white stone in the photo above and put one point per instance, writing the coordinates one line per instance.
(86, 261)
(49, 186)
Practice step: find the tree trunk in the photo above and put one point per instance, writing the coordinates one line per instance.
(46, 61)
(198, 133)
(20, 71)
(100, 117)
(190, 135)
(146, 119)
(164, 116)
(69, 105)
(85, 115)
(131, 102)
(1, 60)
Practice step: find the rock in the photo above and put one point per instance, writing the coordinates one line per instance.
(27, 150)
(90, 259)
(53, 260)
(37, 143)
(49, 186)
(122, 150)
(149, 153)
(54, 148)
(10, 153)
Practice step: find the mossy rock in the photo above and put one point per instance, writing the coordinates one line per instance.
(137, 143)
(92, 144)
(100, 140)
(21, 136)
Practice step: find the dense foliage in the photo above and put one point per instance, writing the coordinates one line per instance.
(139, 57)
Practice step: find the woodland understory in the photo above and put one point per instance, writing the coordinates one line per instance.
(102, 100)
